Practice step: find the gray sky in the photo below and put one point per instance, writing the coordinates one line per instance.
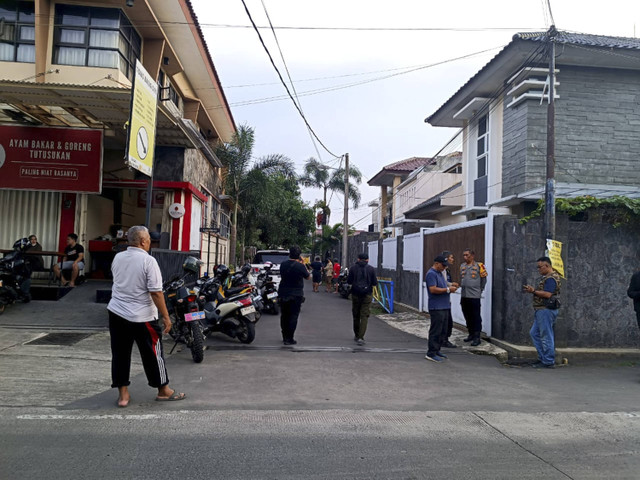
(368, 92)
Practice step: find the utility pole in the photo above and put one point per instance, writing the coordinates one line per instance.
(550, 185)
(345, 222)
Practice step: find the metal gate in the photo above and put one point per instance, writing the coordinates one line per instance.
(476, 235)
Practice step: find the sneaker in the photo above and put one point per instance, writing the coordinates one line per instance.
(355, 338)
(289, 342)
(543, 365)
(476, 342)
(441, 355)
(360, 341)
(448, 344)
(434, 358)
(468, 339)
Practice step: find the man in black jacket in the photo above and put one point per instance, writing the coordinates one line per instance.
(634, 292)
(291, 293)
(362, 278)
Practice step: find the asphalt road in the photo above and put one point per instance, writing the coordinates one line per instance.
(325, 408)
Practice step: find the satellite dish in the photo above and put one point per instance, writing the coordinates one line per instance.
(176, 210)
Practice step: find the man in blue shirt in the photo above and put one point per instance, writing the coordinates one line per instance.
(439, 308)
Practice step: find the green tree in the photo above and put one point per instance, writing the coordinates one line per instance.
(318, 175)
(275, 215)
(242, 174)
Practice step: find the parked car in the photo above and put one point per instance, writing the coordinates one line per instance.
(276, 257)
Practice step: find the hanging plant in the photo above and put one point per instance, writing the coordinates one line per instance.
(618, 210)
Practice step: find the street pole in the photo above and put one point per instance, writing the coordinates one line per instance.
(208, 252)
(550, 185)
(345, 223)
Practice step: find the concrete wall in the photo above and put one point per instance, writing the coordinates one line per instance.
(597, 132)
(599, 261)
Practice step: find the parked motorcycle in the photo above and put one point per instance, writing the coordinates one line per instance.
(15, 276)
(239, 283)
(184, 311)
(266, 289)
(344, 289)
(228, 310)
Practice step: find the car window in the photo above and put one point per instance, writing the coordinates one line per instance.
(270, 257)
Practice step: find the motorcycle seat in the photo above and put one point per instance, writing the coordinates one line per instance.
(234, 291)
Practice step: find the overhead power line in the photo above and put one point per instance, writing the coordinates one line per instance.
(283, 82)
(293, 87)
(362, 82)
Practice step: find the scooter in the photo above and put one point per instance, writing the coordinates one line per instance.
(267, 290)
(344, 289)
(229, 311)
(15, 276)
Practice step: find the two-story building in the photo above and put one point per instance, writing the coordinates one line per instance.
(502, 111)
(66, 71)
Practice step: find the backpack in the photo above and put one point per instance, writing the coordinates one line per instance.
(360, 285)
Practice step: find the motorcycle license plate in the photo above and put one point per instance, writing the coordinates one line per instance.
(247, 310)
(190, 317)
(272, 295)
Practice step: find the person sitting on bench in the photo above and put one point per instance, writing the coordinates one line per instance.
(37, 264)
(73, 260)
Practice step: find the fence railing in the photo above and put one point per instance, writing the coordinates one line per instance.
(383, 294)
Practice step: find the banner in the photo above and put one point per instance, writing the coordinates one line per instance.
(554, 252)
(142, 121)
(50, 159)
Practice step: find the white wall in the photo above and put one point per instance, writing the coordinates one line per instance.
(412, 252)
(390, 253)
(373, 254)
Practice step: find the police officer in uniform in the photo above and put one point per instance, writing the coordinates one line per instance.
(473, 280)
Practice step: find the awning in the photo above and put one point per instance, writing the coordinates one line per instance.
(92, 106)
(435, 204)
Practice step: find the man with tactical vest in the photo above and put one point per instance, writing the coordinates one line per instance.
(473, 277)
(545, 305)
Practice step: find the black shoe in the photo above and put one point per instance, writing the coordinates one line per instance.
(468, 339)
(475, 342)
(289, 342)
(360, 341)
(448, 344)
(543, 365)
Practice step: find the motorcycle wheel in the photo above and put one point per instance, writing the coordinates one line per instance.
(197, 345)
(344, 293)
(247, 331)
(275, 308)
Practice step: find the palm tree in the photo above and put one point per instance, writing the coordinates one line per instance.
(239, 173)
(318, 175)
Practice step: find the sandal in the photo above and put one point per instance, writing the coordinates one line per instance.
(175, 396)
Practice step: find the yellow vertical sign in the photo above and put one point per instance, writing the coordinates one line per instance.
(142, 121)
(554, 252)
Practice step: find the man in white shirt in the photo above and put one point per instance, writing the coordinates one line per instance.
(136, 299)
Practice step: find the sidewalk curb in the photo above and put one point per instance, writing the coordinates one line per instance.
(417, 324)
(573, 355)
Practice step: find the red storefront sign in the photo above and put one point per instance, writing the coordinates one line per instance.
(54, 159)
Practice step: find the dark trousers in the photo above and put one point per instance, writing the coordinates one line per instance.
(471, 312)
(360, 308)
(289, 312)
(437, 330)
(148, 337)
(449, 328)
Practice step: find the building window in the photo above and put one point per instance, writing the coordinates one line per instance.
(95, 37)
(482, 152)
(167, 91)
(17, 32)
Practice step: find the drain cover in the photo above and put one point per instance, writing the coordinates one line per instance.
(60, 338)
